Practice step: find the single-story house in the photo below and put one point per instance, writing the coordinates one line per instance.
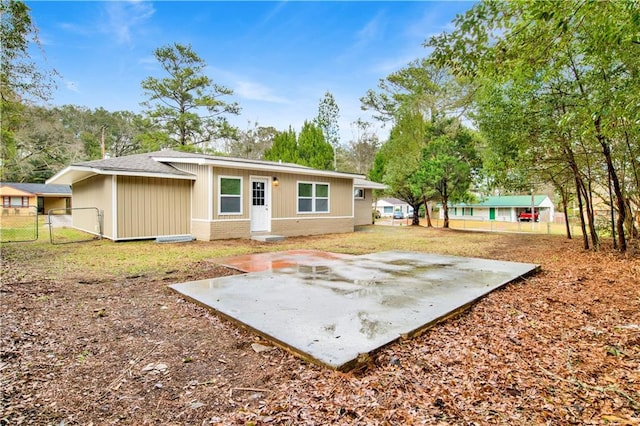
(504, 208)
(386, 207)
(363, 194)
(22, 197)
(172, 193)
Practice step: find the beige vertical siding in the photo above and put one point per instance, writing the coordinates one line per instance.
(150, 207)
(200, 197)
(285, 196)
(95, 192)
(244, 174)
(363, 208)
(283, 205)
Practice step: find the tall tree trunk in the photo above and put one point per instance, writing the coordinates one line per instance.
(630, 224)
(583, 227)
(588, 203)
(612, 211)
(445, 205)
(565, 210)
(579, 191)
(606, 151)
(427, 214)
(415, 221)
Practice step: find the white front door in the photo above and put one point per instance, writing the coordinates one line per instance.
(260, 216)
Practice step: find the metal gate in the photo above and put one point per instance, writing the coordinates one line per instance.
(63, 231)
(18, 224)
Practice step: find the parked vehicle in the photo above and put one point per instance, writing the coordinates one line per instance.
(525, 216)
(398, 215)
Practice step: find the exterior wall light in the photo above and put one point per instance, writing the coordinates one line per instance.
(275, 181)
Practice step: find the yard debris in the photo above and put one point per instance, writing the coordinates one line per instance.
(155, 367)
(196, 404)
(260, 348)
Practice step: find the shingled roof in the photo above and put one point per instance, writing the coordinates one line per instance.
(138, 163)
(161, 164)
(39, 188)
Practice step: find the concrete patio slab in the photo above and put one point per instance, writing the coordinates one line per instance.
(278, 260)
(335, 310)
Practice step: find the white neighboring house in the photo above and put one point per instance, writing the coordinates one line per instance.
(386, 207)
(505, 208)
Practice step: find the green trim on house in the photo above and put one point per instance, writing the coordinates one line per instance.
(506, 201)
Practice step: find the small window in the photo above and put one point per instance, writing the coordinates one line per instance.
(313, 197)
(358, 194)
(16, 201)
(6, 201)
(230, 199)
(388, 209)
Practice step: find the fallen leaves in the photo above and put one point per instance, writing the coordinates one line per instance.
(562, 347)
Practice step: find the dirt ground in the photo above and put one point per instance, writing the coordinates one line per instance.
(561, 347)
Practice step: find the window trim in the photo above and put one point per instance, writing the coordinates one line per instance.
(313, 197)
(220, 195)
(7, 201)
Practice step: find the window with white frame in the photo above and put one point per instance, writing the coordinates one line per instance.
(230, 195)
(358, 193)
(388, 209)
(313, 197)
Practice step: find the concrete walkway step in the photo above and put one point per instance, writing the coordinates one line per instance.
(269, 238)
(175, 239)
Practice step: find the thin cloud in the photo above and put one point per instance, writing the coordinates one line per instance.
(273, 12)
(72, 86)
(371, 31)
(257, 92)
(123, 17)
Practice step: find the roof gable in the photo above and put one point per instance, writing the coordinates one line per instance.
(393, 201)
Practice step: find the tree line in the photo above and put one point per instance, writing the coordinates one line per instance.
(518, 97)
(552, 91)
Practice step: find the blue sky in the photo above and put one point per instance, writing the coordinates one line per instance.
(278, 57)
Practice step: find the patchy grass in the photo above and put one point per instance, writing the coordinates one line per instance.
(104, 257)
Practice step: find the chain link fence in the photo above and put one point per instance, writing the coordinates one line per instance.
(504, 226)
(63, 231)
(18, 224)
